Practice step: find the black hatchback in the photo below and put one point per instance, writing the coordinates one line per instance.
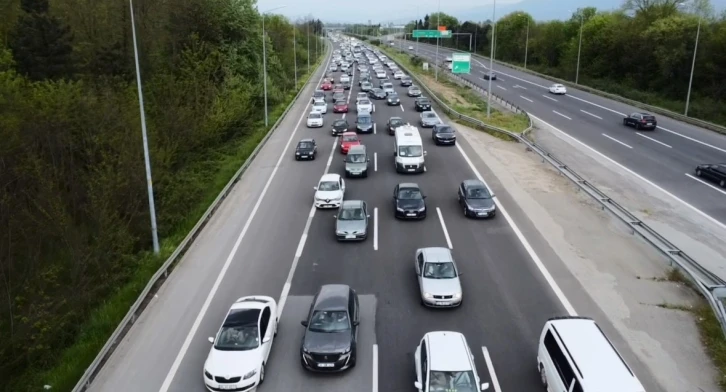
(340, 126)
(443, 134)
(476, 199)
(306, 149)
(408, 201)
(713, 172)
(331, 330)
(422, 104)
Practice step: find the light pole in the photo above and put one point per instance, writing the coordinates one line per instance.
(438, 23)
(264, 58)
(491, 59)
(308, 23)
(147, 159)
(579, 49)
(294, 50)
(526, 44)
(693, 64)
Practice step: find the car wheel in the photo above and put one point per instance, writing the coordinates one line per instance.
(542, 376)
(637, 126)
(625, 122)
(722, 183)
(698, 173)
(262, 374)
(466, 212)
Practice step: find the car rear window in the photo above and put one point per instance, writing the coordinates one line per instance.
(649, 118)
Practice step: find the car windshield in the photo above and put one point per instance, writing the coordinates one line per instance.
(410, 151)
(387, 85)
(239, 331)
(446, 129)
(340, 124)
(315, 115)
(356, 158)
(428, 115)
(319, 94)
(452, 381)
(393, 96)
(364, 120)
(350, 138)
(478, 192)
(329, 321)
(364, 102)
(396, 122)
(439, 271)
(414, 89)
(305, 145)
(423, 101)
(409, 194)
(328, 186)
(319, 104)
(350, 214)
(340, 103)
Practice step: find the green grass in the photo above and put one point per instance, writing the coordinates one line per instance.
(101, 323)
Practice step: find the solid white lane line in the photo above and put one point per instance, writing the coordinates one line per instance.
(590, 114)
(208, 301)
(525, 98)
(650, 138)
(616, 140)
(714, 187)
(375, 368)
(374, 128)
(692, 139)
(443, 226)
(636, 175)
(490, 367)
(375, 161)
(375, 228)
(550, 98)
(556, 112)
(523, 240)
(501, 87)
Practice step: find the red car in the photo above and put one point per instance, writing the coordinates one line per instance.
(340, 107)
(326, 86)
(349, 140)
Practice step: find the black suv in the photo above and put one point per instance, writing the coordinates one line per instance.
(339, 127)
(715, 173)
(422, 104)
(640, 121)
(443, 134)
(408, 201)
(306, 149)
(331, 330)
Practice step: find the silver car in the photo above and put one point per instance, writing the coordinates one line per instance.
(429, 119)
(351, 222)
(438, 278)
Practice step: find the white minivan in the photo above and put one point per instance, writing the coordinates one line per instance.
(408, 150)
(575, 356)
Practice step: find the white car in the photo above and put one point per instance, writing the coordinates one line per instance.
(242, 346)
(364, 106)
(558, 89)
(398, 74)
(449, 59)
(444, 362)
(330, 191)
(320, 107)
(360, 96)
(410, 48)
(380, 74)
(344, 78)
(315, 120)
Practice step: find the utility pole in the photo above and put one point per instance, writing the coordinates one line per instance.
(526, 45)
(438, 23)
(294, 50)
(693, 66)
(579, 49)
(491, 59)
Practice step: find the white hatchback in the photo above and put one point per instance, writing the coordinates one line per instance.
(315, 120)
(558, 89)
(380, 74)
(398, 75)
(320, 107)
(330, 191)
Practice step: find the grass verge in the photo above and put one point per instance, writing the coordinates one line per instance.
(101, 323)
(463, 99)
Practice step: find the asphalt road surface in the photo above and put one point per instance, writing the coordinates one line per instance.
(268, 240)
(665, 157)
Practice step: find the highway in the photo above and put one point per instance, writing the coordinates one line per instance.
(267, 239)
(664, 158)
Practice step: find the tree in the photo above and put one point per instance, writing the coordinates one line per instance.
(41, 43)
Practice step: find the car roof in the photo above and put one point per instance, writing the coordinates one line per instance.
(437, 254)
(473, 182)
(395, 118)
(332, 297)
(409, 185)
(330, 177)
(352, 203)
(448, 351)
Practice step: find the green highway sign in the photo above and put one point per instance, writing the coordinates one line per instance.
(461, 63)
(431, 34)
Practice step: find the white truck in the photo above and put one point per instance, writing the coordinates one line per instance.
(408, 151)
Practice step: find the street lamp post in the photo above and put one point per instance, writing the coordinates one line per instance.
(264, 59)
(294, 50)
(147, 159)
(579, 49)
(526, 45)
(693, 65)
(491, 59)
(438, 39)
(308, 23)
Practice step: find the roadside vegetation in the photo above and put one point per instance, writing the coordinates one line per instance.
(643, 51)
(75, 240)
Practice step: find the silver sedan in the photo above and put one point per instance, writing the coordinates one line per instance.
(429, 119)
(351, 222)
(438, 278)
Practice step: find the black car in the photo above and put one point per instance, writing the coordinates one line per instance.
(340, 126)
(713, 172)
(339, 96)
(406, 81)
(306, 149)
(393, 123)
(377, 93)
(393, 100)
(640, 121)
(422, 104)
(490, 75)
(443, 134)
(476, 199)
(408, 201)
(331, 330)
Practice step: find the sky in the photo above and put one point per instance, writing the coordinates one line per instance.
(403, 11)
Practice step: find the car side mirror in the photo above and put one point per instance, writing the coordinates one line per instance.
(335, 216)
(315, 188)
(356, 323)
(425, 153)
(417, 385)
(368, 216)
(266, 339)
(424, 196)
(211, 339)
(395, 197)
(304, 323)
(485, 386)
(368, 159)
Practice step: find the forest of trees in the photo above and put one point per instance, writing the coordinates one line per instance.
(75, 227)
(643, 51)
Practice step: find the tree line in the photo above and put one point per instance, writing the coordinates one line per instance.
(75, 226)
(643, 51)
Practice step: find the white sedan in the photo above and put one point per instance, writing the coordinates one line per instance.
(398, 75)
(242, 346)
(315, 120)
(558, 89)
(410, 48)
(330, 191)
(320, 107)
(364, 106)
(381, 74)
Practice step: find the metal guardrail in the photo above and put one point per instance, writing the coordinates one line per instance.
(160, 276)
(655, 109)
(712, 287)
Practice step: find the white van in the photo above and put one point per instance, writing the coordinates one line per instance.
(408, 150)
(575, 356)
